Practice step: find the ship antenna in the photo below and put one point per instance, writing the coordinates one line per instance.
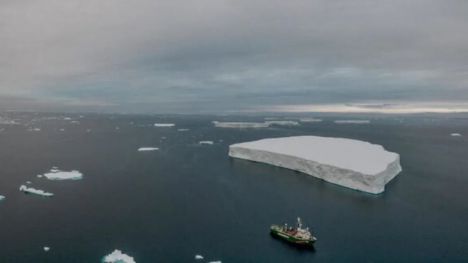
(299, 223)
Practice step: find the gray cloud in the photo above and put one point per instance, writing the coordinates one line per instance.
(153, 56)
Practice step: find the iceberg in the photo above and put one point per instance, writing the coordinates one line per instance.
(455, 134)
(164, 125)
(147, 149)
(199, 257)
(56, 174)
(46, 249)
(30, 190)
(352, 121)
(350, 163)
(118, 257)
(240, 125)
(206, 142)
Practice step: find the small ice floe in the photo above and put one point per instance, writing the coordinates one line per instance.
(88, 130)
(75, 122)
(164, 125)
(147, 149)
(216, 261)
(46, 249)
(283, 123)
(118, 257)
(34, 129)
(62, 130)
(56, 174)
(2, 197)
(183, 130)
(352, 121)
(240, 125)
(199, 257)
(206, 142)
(455, 134)
(28, 182)
(310, 120)
(29, 190)
(67, 119)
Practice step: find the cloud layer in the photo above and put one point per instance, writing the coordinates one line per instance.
(210, 55)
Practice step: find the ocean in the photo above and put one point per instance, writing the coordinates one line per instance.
(188, 198)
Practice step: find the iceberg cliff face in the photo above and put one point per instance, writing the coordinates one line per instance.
(351, 163)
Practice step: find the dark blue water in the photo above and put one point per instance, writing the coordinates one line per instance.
(187, 199)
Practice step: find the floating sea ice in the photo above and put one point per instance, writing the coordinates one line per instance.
(39, 176)
(28, 182)
(198, 257)
(352, 121)
(164, 125)
(283, 123)
(216, 261)
(183, 130)
(67, 119)
(240, 125)
(206, 142)
(147, 149)
(75, 122)
(118, 257)
(2, 197)
(310, 120)
(62, 129)
(455, 134)
(34, 129)
(30, 190)
(56, 174)
(46, 249)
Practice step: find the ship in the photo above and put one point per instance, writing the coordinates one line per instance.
(295, 235)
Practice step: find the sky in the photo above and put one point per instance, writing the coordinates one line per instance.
(199, 56)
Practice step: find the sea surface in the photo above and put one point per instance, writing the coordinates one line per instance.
(188, 199)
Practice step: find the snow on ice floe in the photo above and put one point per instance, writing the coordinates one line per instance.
(310, 120)
(352, 121)
(351, 163)
(199, 257)
(455, 134)
(206, 142)
(147, 149)
(240, 125)
(118, 257)
(282, 123)
(56, 174)
(164, 125)
(29, 190)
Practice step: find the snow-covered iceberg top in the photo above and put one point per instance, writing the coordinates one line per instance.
(164, 125)
(240, 125)
(351, 163)
(118, 257)
(56, 174)
(30, 190)
(147, 149)
(352, 121)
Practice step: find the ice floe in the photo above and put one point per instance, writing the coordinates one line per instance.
(455, 134)
(164, 125)
(199, 257)
(351, 163)
(2, 197)
(240, 125)
(283, 123)
(183, 130)
(206, 142)
(147, 149)
(118, 257)
(216, 261)
(46, 249)
(352, 121)
(34, 129)
(310, 120)
(56, 174)
(30, 190)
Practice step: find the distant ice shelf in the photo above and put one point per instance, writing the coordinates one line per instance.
(147, 149)
(350, 163)
(118, 257)
(56, 174)
(30, 190)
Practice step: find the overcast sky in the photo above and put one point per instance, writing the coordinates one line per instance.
(218, 55)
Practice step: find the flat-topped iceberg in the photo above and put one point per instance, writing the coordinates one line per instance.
(240, 125)
(147, 149)
(30, 190)
(118, 257)
(351, 163)
(56, 174)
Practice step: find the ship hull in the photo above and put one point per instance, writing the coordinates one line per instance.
(291, 239)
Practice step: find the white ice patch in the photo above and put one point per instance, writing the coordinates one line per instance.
(75, 122)
(206, 142)
(199, 257)
(183, 130)
(455, 134)
(30, 190)
(283, 123)
(164, 125)
(240, 125)
(310, 120)
(34, 129)
(46, 249)
(351, 163)
(118, 257)
(56, 174)
(147, 149)
(216, 261)
(2, 197)
(352, 121)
